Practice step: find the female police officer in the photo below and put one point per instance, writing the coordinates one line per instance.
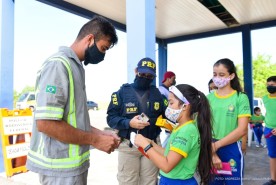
(123, 114)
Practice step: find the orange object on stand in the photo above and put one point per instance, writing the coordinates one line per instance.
(19, 161)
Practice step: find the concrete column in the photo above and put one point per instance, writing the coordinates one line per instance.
(140, 21)
(6, 59)
(6, 53)
(162, 60)
(247, 64)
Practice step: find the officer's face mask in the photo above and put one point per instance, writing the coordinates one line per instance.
(271, 89)
(93, 55)
(142, 83)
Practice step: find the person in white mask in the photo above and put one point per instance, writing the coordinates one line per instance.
(211, 86)
(189, 146)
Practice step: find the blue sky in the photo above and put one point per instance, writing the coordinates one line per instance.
(40, 29)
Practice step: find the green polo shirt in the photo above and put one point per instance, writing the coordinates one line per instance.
(257, 118)
(184, 140)
(270, 106)
(226, 110)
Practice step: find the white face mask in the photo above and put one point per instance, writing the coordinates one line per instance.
(173, 114)
(213, 90)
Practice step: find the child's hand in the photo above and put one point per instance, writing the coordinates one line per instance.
(243, 148)
(274, 131)
(141, 141)
(216, 161)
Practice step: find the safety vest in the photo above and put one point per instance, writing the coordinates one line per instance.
(74, 158)
(152, 104)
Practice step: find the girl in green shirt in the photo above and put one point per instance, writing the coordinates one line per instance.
(231, 112)
(189, 146)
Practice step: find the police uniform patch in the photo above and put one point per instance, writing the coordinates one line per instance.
(114, 99)
(166, 102)
(131, 108)
(156, 105)
(51, 89)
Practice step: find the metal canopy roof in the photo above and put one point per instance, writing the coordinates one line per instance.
(177, 19)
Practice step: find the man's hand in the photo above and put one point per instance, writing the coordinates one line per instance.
(135, 122)
(111, 133)
(105, 143)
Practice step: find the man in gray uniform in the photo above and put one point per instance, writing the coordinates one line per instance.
(62, 134)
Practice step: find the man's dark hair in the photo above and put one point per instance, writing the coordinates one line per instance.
(272, 78)
(99, 27)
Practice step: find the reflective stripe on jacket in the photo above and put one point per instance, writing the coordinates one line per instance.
(74, 158)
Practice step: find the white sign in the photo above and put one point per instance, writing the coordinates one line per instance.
(17, 150)
(17, 124)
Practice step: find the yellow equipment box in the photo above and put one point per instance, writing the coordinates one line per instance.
(164, 123)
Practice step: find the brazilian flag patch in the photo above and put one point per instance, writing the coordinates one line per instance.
(51, 89)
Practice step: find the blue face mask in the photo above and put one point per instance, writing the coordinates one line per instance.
(93, 55)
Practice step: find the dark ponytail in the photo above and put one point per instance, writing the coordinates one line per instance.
(205, 129)
(231, 68)
(201, 108)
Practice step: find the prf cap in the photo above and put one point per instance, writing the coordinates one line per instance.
(147, 65)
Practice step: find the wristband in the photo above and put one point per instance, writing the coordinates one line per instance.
(147, 147)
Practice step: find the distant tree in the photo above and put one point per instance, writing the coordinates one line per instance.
(15, 97)
(16, 94)
(262, 69)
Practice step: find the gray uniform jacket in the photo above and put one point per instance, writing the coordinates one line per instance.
(52, 98)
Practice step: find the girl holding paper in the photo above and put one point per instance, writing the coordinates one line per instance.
(231, 113)
(189, 146)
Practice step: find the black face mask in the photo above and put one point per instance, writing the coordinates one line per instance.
(142, 83)
(271, 89)
(93, 55)
(174, 82)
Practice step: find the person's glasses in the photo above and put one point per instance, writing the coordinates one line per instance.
(146, 75)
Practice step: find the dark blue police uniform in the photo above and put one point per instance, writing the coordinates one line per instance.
(128, 102)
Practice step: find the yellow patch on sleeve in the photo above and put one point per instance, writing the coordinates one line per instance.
(114, 99)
